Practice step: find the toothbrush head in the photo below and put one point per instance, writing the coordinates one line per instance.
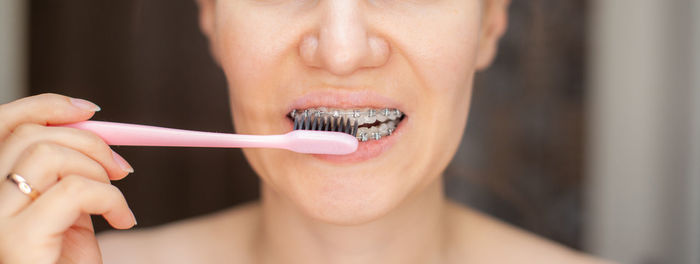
(334, 123)
(321, 142)
(324, 135)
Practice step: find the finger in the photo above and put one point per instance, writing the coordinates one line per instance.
(42, 165)
(69, 198)
(44, 109)
(83, 141)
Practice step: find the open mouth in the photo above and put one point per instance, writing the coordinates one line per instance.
(365, 124)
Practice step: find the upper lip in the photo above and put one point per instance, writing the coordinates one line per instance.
(343, 100)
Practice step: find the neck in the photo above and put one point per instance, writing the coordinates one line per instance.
(410, 233)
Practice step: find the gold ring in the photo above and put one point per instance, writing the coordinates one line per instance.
(23, 186)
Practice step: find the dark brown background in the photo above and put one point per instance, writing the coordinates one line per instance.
(144, 61)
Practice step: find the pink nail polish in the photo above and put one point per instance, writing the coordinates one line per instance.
(85, 105)
(122, 163)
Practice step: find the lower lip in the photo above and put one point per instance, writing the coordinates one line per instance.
(365, 150)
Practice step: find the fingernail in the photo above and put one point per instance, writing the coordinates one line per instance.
(85, 105)
(125, 166)
(134, 216)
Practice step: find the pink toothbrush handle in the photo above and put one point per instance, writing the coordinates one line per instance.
(302, 141)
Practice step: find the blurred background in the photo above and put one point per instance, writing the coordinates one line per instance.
(586, 130)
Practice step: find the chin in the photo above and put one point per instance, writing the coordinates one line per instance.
(344, 197)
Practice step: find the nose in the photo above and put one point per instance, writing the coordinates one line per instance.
(342, 43)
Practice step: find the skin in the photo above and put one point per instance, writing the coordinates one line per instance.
(71, 169)
(422, 54)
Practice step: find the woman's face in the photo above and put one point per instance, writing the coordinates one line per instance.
(417, 56)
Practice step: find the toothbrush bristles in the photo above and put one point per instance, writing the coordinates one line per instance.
(341, 124)
(354, 129)
(347, 126)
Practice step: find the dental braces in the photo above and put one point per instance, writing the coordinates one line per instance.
(348, 121)
(376, 132)
(367, 115)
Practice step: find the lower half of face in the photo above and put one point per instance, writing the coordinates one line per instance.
(410, 110)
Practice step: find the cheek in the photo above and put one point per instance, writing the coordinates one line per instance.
(440, 44)
(255, 50)
(245, 42)
(448, 60)
(444, 62)
(448, 63)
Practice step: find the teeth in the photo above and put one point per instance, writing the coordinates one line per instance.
(319, 118)
(364, 116)
(377, 132)
(383, 127)
(373, 130)
(363, 137)
(371, 112)
(362, 130)
(368, 119)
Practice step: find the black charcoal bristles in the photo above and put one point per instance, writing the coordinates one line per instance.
(339, 128)
(314, 120)
(347, 126)
(354, 131)
(308, 121)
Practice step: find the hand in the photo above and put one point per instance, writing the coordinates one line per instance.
(70, 168)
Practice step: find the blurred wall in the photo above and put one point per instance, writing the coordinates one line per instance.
(521, 158)
(693, 185)
(144, 62)
(643, 178)
(12, 49)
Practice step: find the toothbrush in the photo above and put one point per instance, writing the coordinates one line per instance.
(301, 141)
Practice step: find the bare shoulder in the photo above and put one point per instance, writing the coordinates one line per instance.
(220, 237)
(482, 239)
